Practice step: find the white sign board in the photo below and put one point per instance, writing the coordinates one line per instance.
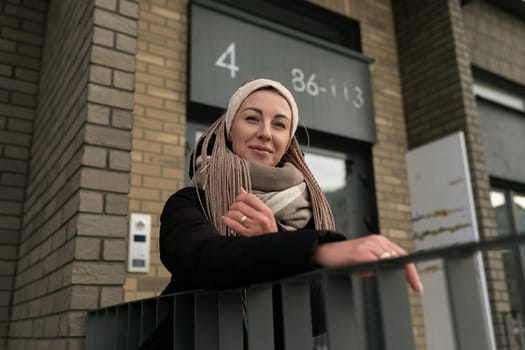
(443, 214)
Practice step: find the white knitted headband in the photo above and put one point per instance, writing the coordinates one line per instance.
(251, 86)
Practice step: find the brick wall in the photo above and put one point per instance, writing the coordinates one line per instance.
(495, 40)
(438, 100)
(21, 38)
(72, 240)
(159, 126)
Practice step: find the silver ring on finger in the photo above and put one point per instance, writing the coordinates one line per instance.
(243, 219)
(385, 255)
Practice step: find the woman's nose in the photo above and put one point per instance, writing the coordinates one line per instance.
(265, 131)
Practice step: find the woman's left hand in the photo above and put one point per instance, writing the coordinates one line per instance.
(249, 216)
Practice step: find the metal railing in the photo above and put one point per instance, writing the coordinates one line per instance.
(214, 319)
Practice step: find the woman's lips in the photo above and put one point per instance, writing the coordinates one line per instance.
(261, 149)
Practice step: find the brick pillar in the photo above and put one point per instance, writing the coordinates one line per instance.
(21, 38)
(438, 100)
(72, 246)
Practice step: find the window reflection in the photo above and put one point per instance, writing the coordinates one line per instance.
(519, 212)
(330, 172)
(498, 201)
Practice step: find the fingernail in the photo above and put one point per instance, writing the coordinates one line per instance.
(420, 288)
(243, 190)
(222, 217)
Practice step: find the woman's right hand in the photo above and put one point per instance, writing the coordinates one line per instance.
(249, 216)
(364, 249)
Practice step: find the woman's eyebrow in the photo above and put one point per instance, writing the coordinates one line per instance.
(283, 116)
(258, 110)
(253, 109)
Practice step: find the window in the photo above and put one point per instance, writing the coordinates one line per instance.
(509, 206)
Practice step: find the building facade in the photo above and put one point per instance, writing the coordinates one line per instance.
(97, 116)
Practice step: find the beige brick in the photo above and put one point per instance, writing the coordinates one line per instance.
(153, 182)
(122, 119)
(109, 96)
(161, 11)
(95, 273)
(107, 4)
(116, 204)
(123, 80)
(144, 193)
(21, 36)
(146, 100)
(114, 250)
(129, 8)
(91, 201)
(149, 79)
(175, 106)
(149, 58)
(148, 146)
(100, 75)
(73, 324)
(102, 225)
(163, 93)
(104, 136)
(156, 206)
(119, 160)
(111, 296)
(95, 156)
(98, 114)
(111, 58)
(162, 137)
(126, 43)
(148, 124)
(103, 37)
(87, 248)
(163, 72)
(115, 22)
(104, 180)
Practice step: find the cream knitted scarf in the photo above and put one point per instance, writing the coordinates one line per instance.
(281, 188)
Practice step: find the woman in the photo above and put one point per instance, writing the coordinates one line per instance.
(255, 212)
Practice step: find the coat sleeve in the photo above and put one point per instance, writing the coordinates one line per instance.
(199, 258)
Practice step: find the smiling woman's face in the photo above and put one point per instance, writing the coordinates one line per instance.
(260, 131)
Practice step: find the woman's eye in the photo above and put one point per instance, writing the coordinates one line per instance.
(280, 125)
(251, 118)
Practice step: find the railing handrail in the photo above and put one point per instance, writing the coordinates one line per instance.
(453, 250)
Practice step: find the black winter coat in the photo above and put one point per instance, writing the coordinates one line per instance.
(199, 258)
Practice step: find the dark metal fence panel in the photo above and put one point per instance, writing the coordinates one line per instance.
(183, 325)
(206, 321)
(93, 325)
(395, 307)
(470, 323)
(297, 318)
(230, 321)
(260, 318)
(149, 318)
(122, 327)
(134, 325)
(110, 331)
(341, 323)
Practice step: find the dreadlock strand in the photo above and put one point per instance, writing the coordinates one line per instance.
(322, 213)
(227, 174)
